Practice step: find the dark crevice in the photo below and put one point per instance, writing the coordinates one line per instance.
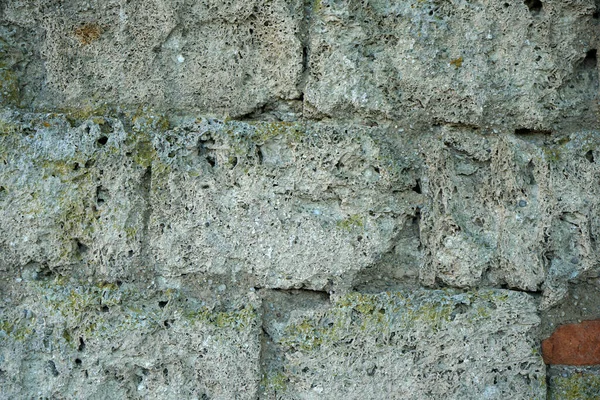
(526, 131)
(81, 248)
(101, 195)
(535, 6)
(52, 368)
(591, 59)
(103, 140)
(417, 187)
(590, 156)
(146, 187)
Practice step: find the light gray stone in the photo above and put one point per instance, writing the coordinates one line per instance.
(228, 58)
(295, 205)
(412, 344)
(488, 63)
(100, 341)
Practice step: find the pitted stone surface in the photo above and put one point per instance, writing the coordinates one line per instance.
(70, 196)
(571, 383)
(420, 344)
(228, 58)
(296, 205)
(486, 63)
(98, 341)
(165, 165)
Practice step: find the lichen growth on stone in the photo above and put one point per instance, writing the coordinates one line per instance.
(354, 221)
(578, 386)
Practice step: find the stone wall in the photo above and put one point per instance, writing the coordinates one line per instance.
(285, 199)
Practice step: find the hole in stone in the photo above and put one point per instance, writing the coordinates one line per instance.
(162, 304)
(417, 187)
(591, 59)
(52, 368)
(211, 160)
(81, 344)
(81, 248)
(105, 309)
(590, 156)
(76, 167)
(535, 6)
(78, 361)
(103, 140)
(101, 195)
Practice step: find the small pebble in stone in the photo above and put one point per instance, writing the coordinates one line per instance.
(522, 203)
(574, 260)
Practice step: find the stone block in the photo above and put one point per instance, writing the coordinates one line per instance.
(410, 344)
(488, 64)
(68, 339)
(228, 58)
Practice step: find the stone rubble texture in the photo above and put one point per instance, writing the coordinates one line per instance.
(288, 199)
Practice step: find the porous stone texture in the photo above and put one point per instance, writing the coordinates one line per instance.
(64, 339)
(485, 63)
(296, 205)
(517, 210)
(295, 199)
(410, 344)
(570, 383)
(213, 56)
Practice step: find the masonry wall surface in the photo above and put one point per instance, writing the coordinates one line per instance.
(286, 199)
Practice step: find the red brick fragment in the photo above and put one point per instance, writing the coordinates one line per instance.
(573, 344)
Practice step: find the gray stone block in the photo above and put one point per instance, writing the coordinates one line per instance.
(228, 58)
(413, 344)
(100, 341)
(488, 64)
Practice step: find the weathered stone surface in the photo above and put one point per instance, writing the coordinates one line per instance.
(518, 210)
(419, 344)
(165, 164)
(573, 344)
(573, 383)
(62, 339)
(325, 206)
(212, 56)
(487, 63)
(71, 196)
(296, 205)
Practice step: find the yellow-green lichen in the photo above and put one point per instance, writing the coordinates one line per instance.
(18, 330)
(265, 131)
(552, 154)
(354, 221)
(274, 382)
(578, 386)
(359, 315)
(237, 319)
(9, 87)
